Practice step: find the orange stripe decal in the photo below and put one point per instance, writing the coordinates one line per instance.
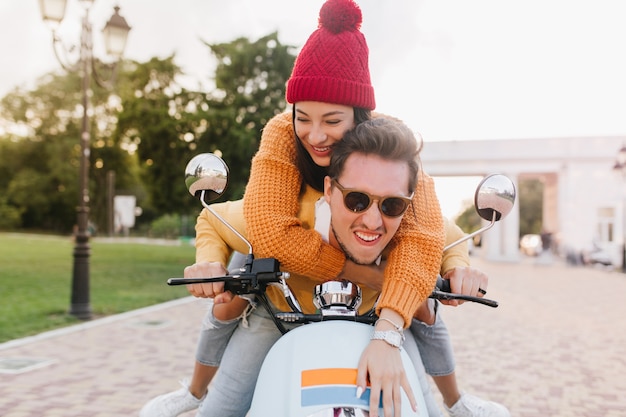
(329, 376)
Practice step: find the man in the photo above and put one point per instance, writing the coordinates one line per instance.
(368, 190)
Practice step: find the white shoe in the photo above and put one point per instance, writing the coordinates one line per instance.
(171, 404)
(471, 406)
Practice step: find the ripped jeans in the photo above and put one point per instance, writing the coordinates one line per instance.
(215, 335)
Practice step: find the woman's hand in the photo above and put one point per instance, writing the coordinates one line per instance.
(382, 364)
(370, 276)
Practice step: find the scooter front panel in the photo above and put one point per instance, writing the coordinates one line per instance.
(312, 369)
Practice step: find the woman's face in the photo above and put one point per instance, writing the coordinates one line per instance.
(320, 125)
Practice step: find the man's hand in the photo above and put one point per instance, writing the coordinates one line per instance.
(426, 312)
(213, 290)
(466, 281)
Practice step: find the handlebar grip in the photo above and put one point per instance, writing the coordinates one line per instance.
(443, 285)
(185, 281)
(444, 292)
(245, 283)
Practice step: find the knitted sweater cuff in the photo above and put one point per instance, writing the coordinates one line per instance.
(333, 264)
(403, 305)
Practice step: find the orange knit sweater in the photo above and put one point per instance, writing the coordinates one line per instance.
(271, 207)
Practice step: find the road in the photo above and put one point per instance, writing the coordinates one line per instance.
(556, 346)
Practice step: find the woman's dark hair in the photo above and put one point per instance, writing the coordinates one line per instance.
(313, 174)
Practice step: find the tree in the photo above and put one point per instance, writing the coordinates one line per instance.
(469, 220)
(168, 125)
(530, 206)
(155, 123)
(145, 133)
(42, 184)
(250, 80)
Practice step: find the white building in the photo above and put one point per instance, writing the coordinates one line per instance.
(584, 198)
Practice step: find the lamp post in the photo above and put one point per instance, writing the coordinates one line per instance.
(620, 168)
(115, 34)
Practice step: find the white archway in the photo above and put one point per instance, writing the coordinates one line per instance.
(579, 186)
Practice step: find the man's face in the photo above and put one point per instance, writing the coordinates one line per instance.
(363, 235)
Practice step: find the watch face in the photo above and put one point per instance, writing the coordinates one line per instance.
(394, 338)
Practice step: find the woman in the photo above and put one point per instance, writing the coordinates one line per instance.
(331, 91)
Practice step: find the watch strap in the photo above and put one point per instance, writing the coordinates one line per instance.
(392, 337)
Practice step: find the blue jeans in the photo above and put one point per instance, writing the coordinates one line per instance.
(232, 388)
(434, 346)
(214, 337)
(230, 394)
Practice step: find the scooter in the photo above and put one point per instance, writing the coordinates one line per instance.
(311, 370)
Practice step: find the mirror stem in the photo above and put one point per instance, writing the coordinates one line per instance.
(232, 229)
(471, 235)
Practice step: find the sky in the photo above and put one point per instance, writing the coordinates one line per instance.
(451, 69)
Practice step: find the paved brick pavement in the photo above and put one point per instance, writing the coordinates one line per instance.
(556, 346)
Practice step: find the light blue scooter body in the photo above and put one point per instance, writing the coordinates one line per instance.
(313, 368)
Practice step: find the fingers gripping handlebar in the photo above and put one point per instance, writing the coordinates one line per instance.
(254, 277)
(443, 291)
(244, 283)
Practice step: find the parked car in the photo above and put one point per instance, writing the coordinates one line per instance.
(531, 245)
(596, 256)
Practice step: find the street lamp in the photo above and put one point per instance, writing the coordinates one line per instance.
(115, 34)
(620, 167)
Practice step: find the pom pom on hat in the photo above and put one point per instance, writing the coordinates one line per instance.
(339, 16)
(332, 66)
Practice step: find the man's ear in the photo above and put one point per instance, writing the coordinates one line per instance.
(327, 188)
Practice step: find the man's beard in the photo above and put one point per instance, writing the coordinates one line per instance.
(345, 250)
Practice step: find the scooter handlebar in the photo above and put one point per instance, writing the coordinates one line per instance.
(443, 291)
(243, 283)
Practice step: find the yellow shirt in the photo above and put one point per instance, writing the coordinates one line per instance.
(215, 243)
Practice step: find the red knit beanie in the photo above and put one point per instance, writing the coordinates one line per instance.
(332, 67)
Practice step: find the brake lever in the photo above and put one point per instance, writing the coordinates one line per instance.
(440, 295)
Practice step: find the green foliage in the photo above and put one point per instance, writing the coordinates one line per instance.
(124, 277)
(169, 125)
(167, 226)
(469, 220)
(154, 122)
(145, 133)
(250, 80)
(10, 216)
(42, 167)
(530, 206)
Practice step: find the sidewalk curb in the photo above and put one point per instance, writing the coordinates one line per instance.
(94, 323)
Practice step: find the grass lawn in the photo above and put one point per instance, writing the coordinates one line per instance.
(36, 277)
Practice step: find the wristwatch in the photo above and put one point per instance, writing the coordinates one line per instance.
(393, 337)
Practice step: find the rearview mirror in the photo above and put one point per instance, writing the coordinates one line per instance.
(494, 197)
(209, 173)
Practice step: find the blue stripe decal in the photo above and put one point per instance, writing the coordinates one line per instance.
(334, 395)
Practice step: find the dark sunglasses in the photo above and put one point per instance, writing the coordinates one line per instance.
(359, 201)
